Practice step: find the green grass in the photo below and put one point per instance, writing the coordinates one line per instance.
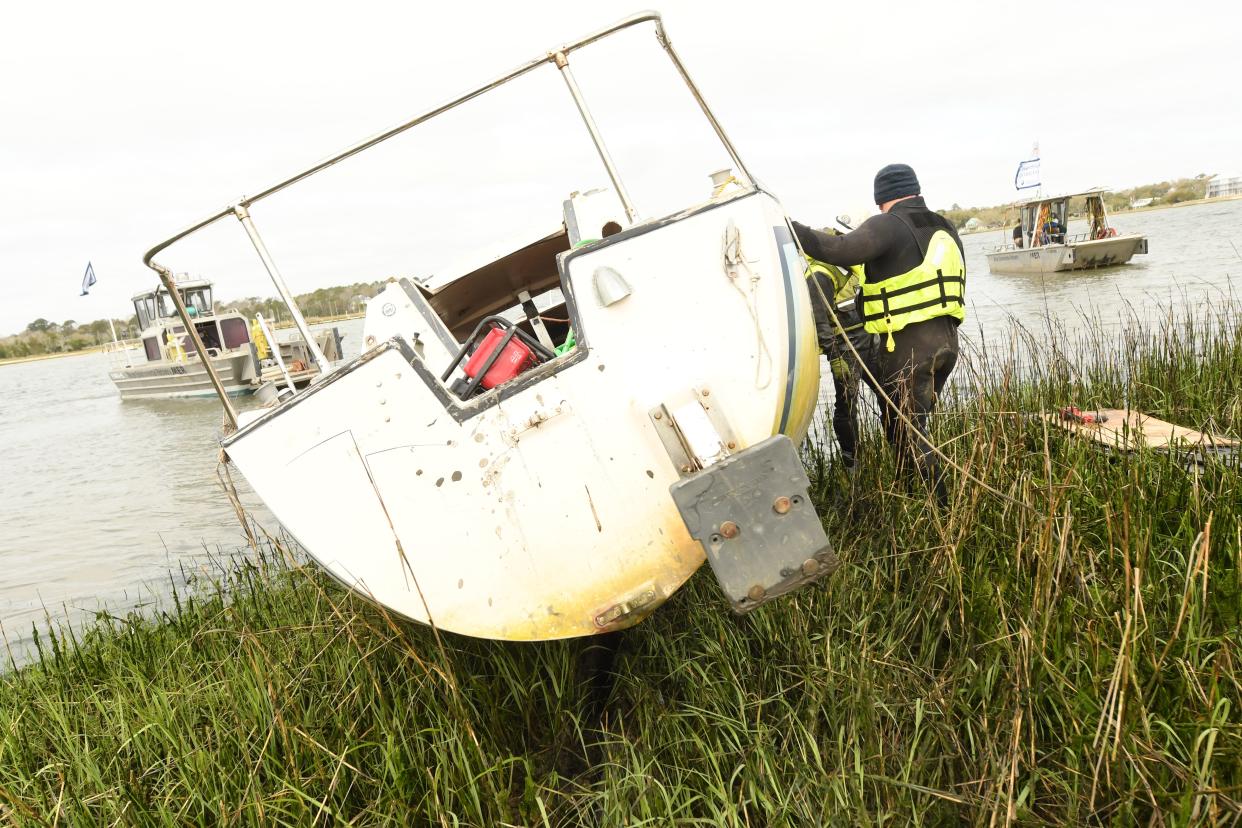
(1070, 660)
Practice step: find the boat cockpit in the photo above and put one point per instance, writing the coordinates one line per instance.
(503, 312)
(152, 306)
(164, 336)
(1045, 221)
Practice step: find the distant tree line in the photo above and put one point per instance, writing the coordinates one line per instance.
(323, 303)
(46, 337)
(1165, 192)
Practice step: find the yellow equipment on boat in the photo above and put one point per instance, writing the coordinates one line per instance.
(175, 351)
(259, 340)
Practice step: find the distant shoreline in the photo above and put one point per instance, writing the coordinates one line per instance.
(323, 320)
(1195, 203)
(94, 349)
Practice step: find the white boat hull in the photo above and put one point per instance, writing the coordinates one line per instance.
(1054, 258)
(541, 509)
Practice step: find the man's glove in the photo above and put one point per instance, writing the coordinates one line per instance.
(804, 232)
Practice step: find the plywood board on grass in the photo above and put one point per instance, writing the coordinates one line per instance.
(1128, 430)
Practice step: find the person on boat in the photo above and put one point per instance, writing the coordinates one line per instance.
(833, 328)
(1053, 228)
(1017, 236)
(912, 299)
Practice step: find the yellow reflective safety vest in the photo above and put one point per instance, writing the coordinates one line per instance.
(259, 340)
(936, 287)
(844, 282)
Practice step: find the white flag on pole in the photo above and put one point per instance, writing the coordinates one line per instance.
(88, 278)
(1027, 175)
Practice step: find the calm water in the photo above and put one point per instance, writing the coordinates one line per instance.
(101, 500)
(1195, 255)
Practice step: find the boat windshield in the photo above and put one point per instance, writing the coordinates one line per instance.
(1044, 222)
(144, 309)
(198, 298)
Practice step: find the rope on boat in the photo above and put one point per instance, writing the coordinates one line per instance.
(735, 260)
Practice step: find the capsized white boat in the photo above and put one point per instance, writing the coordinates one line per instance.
(510, 457)
(1043, 244)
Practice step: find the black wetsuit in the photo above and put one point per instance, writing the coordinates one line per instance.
(924, 354)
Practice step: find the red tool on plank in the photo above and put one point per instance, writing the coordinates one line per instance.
(1074, 414)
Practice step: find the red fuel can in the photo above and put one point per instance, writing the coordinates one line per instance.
(513, 360)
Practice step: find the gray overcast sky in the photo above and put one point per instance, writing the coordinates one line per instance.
(122, 122)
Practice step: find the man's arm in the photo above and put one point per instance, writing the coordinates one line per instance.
(870, 241)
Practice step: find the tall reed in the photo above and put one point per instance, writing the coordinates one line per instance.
(1066, 654)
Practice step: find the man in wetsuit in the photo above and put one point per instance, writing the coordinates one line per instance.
(912, 298)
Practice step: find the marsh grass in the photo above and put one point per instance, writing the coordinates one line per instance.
(1069, 655)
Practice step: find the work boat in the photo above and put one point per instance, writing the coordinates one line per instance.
(160, 364)
(1045, 246)
(243, 355)
(512, 457)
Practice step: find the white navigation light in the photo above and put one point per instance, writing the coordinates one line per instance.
(610, 286)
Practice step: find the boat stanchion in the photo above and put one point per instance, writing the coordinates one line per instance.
(562, 63)
(242, 211)
(166, 276)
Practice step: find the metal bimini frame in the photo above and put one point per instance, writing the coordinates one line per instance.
(558, 57)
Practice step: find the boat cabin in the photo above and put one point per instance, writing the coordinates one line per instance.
(163, 333)
(509, 289)
(1045, 221)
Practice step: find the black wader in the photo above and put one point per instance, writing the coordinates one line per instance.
(913, 375)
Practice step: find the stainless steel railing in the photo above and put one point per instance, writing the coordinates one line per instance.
(121, 353)
(558, 57)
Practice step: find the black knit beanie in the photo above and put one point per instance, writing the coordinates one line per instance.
(895, 181)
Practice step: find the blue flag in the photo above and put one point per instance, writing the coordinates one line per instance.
(88, 278)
